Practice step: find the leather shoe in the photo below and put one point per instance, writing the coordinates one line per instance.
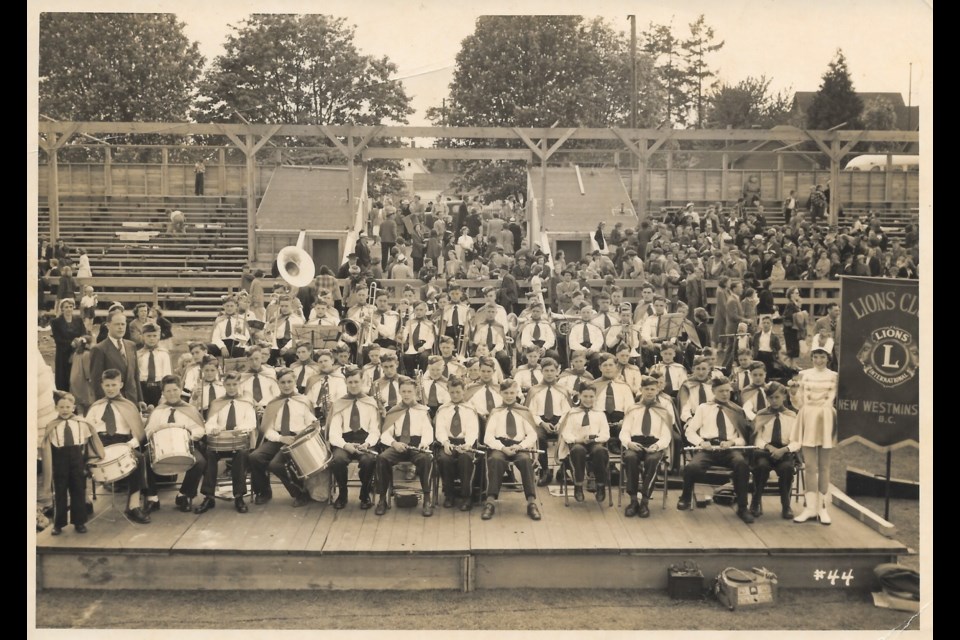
(301, 500)
(207, 504)
(683, 505)
(632, 509)
(340, 502)
(184, 504)
(262, 498)
(644, 511)
(366, 503)
(467, 505)
(427, 507)
(447, 502)
(381, 508)
(80, 528)
(240, 505)
(137, 515)
(601, 493)
(756, 508)
(533, 511)
(578, 493)
(545, 478)
(56, 531)
(488, 510)
(745, 515)
(787, 513)
(151, 505)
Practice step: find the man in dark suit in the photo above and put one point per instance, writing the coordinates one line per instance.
(734, 316)
(766, 345)
(116, 353)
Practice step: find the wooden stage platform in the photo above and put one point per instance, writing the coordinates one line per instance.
(585, 545)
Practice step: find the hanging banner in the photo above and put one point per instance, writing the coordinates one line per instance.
(878, 401)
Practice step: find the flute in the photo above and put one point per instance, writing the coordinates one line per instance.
(738, 446)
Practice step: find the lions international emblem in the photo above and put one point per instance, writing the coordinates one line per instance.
(890, 356)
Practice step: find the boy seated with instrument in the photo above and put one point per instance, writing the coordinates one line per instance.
(646, 435)
(285, 417)
(433, 385)
(457, 431)
(576, 376)
(209, 387)
(407, 434)
(118, 421)
(387, 388)
(529, 374)
(776, 450)
(230, 415)
(673, 373)
(64, 447)
(451, 364)
(259, 382)
(584, 431)
(354, 434)
(174, 413)
(547, 401)
(190, 379)
(305, 368)
(326, 385)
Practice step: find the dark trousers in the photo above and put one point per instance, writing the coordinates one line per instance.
(453, 466)
(198, 185)
(415, 361)
(238, 472)
(259, 462)
(734, 460)
(599, 458)
(385, 248)
(338, 467)
(233, 349)
(763, 464)
(151, 392)
(766, 357)
(193, 475)
(69, 482)
(632, 461)
(422, 460)
(504, 361)
(543, 436)
(497, 463)
(143, 479)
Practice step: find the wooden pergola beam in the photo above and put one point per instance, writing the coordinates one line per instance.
(400, 153)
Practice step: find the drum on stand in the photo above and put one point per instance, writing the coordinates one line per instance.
(117, 463)
(171, 451)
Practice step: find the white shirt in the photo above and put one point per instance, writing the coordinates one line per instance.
(369, 422)
(245, 414)
(622, 395)
(486, 333)
(574, 429)
(425, 331)
(703, 426)
(419, 426)
(479, 398)
(238, 331)
(547, 334)
(161, 363)
(497, 428)
(387, 326)
(690, 408)
(301, 416)
(95, 417)
(651, 327)
(78, 430)
(202, 391)
(442, 395)
(595, 337)
(527, 377)
(469, 423)
(269, 389)
(763, 342)
(336, 388)
(161, 417)
(536, 402)
(633, 426)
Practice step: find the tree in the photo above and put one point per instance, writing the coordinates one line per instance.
(749, 103)
(700, 75)
(116, 67)
(880, 115)
(537, 71)
(836, 102)
(664, 48)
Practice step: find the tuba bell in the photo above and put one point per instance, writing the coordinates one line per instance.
(296, 266)
(349, 330)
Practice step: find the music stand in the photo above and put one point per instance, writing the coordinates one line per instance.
(234, 364)
(321, 337)
(671, 326)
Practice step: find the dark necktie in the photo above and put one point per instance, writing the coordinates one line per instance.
(536, 331)
(257, 390)
(172, 418)
(391, 394)
(667, 380)
(151, 368)
(744, 380)
(446, 369)
(761, 401)
(656, 332)
(231, 417)
(211, 394)
(511, 425)
(286, 328)
(610, 404)
(432, 396)
(490, 401)
(533, 377)
(455, 317)
(229, 330)
(721, 424)
(67, 434)
(703, 394)
(376, 373)
(606, 321)
(416, 334)
(586, 419)
(405, 428)
(455, 428)
(646, 425)
(777, 439)
(110, 418)
(383, 318)
(548, 404)
(355, 417)
(490, 337)
(586, 335)
(285, 419)
(300, 378)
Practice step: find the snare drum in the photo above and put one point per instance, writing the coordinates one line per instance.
(171, 451)
(309, 454)
(229, 441)
(117, 463)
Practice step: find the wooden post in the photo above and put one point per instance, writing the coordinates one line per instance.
(779, 177)
(643, 186)
(251, 156)
(724, 176)
(888, 180)
(351, 154)
(107, 172)
(544, 146)
(669, 176)
(53, 191)
(164, 172)
(222, 170)
(834, 213)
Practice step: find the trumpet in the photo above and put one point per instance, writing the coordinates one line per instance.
(461, 343)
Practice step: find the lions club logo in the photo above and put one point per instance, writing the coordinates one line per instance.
(890, 356)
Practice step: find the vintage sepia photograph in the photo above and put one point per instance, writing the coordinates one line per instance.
(506, 317)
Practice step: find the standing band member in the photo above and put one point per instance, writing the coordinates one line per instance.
(645, 437)
(354, 433)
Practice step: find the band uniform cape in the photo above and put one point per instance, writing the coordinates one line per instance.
(519, 410)
(766, 415)
(220, 403)
(192, 412)
(536, 389)
(563, 449)
(345, 404)
(94, 443)
(270, 411)
(735, 417)
(397, 411)
(683, 393)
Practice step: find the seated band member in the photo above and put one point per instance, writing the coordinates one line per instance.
(584, 431)
(281, 328)
(323, 315)
(305, 368)
(386, 323)
(623, 332)
(510, 434)
(577, 376)
(650, 331)
(387, 389)
(753, 398)
(191, 375)
(153, 363)
(605, 318)
(287, 416)
(695, 390)
(539, 332)
(485, 395)
(457, 315)
(434, 385)
(118, 421)
(492, 335)
(776, 449)
(613, 397)
(457, 431)
(174, 412)
(419, 336)
(230, 412)
(354, 432)
(209, 387)
(673, 373)
(585, 335)
(529, 374)
(627, 372)
(326, 386)
(547, 401)
(646, 435)
(451, 365)
(407, 435)
(740, 372)
(229, 332)
(259, 382)
(714, 428)
(372, 371)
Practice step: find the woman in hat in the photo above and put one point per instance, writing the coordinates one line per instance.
(65, 328)
(814, 392)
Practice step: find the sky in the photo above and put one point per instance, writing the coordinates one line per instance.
(790, 41)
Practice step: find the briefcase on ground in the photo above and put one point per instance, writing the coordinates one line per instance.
(738, 588)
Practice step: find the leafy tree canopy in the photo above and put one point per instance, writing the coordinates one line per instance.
(836, 102)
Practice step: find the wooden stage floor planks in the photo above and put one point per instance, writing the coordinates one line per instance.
(319, 547)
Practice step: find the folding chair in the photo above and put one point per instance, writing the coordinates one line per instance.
(659, 480)
(565, 466)
(407, 487)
